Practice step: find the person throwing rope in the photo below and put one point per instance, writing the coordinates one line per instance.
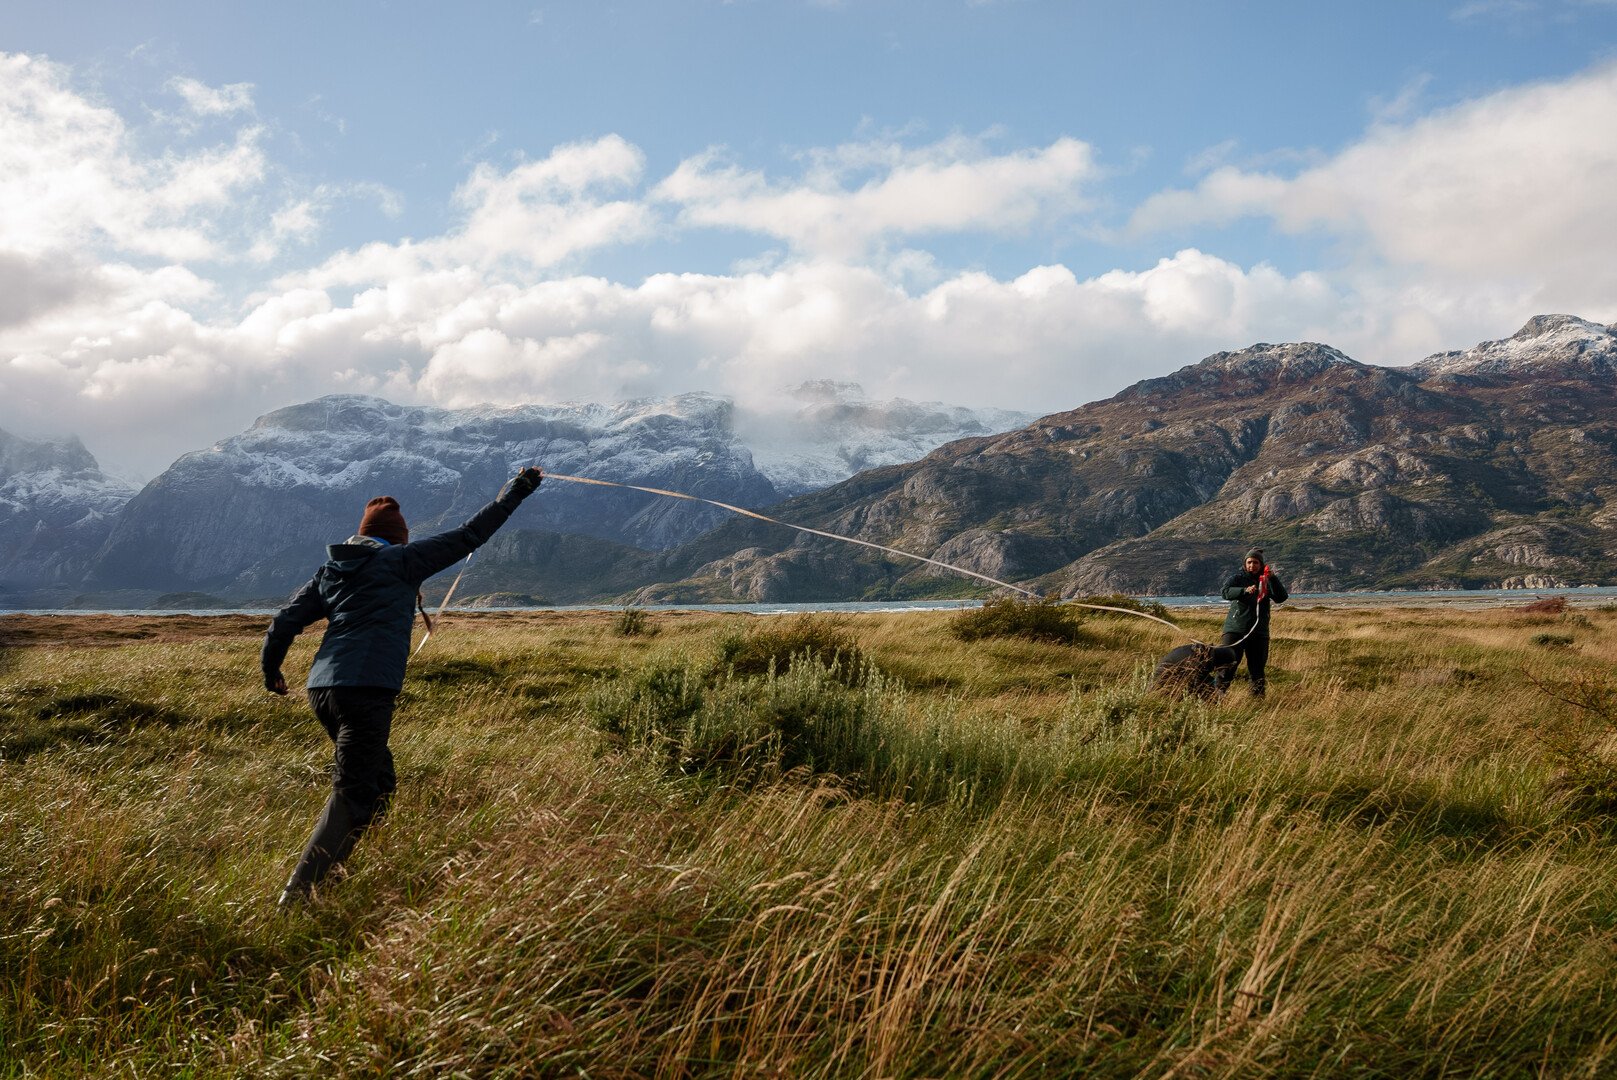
(1246, 627)
(367, 592)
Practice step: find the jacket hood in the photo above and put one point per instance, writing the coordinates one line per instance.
(352, 553)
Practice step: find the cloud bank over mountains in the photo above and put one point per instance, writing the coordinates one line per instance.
(162, 279)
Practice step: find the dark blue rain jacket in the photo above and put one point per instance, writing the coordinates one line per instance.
(366, 591)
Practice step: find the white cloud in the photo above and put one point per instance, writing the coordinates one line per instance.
(533, 216)
(1513, 188)
(1210, 158)
(205, 100)
(70, 180)
(1464, 221)
(301, 219)
(952, 186)
(1403, 104)
(1046, 339)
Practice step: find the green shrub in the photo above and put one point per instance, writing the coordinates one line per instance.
(776, 645)
(633, 622)
(803, 714)
(1552, 641)
(812, 719)
(641, 709)
(1047, 619)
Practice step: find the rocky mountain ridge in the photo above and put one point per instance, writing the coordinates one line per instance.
(1492, 466)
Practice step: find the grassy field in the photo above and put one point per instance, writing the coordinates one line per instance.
(706, 849)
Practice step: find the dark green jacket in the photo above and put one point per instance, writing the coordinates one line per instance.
(1244, 607)
(366, 591)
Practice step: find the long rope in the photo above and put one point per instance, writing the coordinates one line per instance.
(448, 596)
(853, 540)
(744, 512)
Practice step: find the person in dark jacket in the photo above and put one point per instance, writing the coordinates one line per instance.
(1246, 628)
(1193, 669)
(367, 592)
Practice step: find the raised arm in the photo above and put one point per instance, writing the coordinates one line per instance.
(1234, 591)
(424, 558)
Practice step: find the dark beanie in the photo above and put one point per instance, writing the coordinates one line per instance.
(383, 521)
(1255, 553)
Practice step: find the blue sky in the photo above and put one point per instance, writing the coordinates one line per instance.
(208, 211)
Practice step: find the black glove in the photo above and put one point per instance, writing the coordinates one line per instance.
(519, 487)
(274, 682)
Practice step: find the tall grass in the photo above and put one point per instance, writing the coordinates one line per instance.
(614, 855)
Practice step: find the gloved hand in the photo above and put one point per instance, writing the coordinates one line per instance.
(275, 683)
(519, 487)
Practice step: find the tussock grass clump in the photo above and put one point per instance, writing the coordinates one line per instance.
(807, 714)
(1045, 619)
(633, 622)
(1584, 745)
(874, 737)
(1551, 640)
(778, 644)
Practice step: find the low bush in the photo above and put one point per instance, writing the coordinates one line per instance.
(1545, 605)
(633, 622)
(806, 713)
(1551, 640)
(776, 645)
(1047, 619)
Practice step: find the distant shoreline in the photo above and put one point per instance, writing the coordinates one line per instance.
(1462, 598)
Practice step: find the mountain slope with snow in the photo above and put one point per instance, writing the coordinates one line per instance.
(1547, 344)
(56, 509)
(250, 516)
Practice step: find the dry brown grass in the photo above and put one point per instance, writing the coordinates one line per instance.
(1035, 868)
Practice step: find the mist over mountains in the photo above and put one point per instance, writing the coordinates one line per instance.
(1492, 466)
(248, 518)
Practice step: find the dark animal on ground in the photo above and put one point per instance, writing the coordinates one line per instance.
(1193, 669)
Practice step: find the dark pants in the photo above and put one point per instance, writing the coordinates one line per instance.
(1256, 651)
(358, 719)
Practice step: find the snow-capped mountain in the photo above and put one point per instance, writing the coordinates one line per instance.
(1562, 344)
(56, 509)
(250, 516)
